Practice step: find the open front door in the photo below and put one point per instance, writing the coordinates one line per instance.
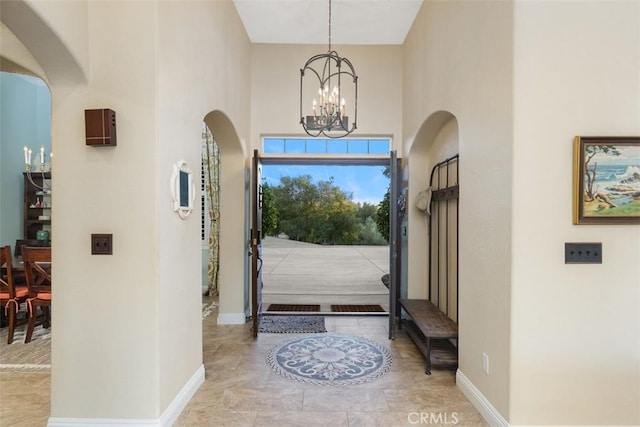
(256, 242)
(394, 242)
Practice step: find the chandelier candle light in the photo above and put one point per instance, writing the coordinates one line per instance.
(29, 168)
(329, 114)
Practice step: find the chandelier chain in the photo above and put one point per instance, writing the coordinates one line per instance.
(329, 25)
(329, 112)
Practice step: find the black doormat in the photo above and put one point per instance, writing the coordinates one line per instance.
(357, 308)
(280, 324)
(293, 307)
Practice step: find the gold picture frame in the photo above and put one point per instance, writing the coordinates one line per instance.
(606, 180)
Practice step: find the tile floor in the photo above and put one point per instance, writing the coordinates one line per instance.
(241, 390)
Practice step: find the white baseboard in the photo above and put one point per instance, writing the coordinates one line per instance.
(231, 319)
(177, 405)
(167, 419)
(480, 402)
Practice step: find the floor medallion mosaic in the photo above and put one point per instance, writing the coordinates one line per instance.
(330, 359)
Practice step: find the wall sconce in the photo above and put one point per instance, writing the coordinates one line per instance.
(100, 127)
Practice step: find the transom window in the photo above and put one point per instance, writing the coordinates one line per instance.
(346, 146)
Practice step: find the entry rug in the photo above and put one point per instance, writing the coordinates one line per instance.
(291, 324)
(330, 359)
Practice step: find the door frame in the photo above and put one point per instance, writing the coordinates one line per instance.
(256, 242)
(397, 207)
(256, 223)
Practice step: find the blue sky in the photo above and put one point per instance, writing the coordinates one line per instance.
(367, 183)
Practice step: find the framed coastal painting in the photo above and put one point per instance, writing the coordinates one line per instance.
(606, 180)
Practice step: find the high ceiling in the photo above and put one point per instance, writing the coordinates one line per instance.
(307, 21)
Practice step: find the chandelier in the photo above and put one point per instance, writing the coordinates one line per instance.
(329, 96)
(44, 188)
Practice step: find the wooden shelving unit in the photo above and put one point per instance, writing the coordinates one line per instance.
(36, 204)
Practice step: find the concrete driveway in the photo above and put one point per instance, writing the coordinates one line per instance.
(303, 273)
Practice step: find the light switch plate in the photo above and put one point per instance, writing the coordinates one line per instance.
(583, 253)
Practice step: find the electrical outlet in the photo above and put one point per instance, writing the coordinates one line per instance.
(485, 363)
(102, 244)
(583, 253)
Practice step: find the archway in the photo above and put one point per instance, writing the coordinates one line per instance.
(31, 47)
(233, 272)
(436, 140)
(39, 50)
(25, 122)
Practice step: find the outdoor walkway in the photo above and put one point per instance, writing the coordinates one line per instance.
(303, 273)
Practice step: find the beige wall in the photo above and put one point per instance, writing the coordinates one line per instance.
(128, 326)
(522, 80)
(193, 82)
(575, 328)
(458, 59)
(275, 82)
(107, 306)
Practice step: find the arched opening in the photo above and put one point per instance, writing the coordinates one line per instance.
(25, 197)
(33, 61)
(433, 241)
(436, 141)
(33, 47)
(25, 122)
(233, 264)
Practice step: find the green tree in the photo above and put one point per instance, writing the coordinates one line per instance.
(382, 215)
(297, 202)
(269, 211)
(369, 234)
(322, 213)
(366, 210)
(316, 213)
(338, 215)
(367, 215)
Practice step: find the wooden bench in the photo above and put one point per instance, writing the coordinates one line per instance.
(427, 322)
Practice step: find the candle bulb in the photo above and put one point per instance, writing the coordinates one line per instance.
(42, 154)
(29, 156)
(26, 158)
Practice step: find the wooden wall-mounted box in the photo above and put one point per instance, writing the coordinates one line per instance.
(100, 127)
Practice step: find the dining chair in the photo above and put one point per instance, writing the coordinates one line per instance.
(37, 269)
(27, 242)
(11, 295)
(18, 276)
